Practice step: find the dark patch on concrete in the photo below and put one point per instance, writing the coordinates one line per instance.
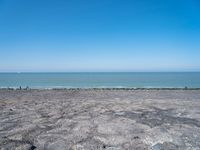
(32, 147)
(136, 137)
(104, 146)
(158, 117)
(9, 143)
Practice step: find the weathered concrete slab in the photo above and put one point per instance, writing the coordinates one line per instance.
(100, 119)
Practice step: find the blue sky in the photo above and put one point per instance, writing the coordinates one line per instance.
(99, 35)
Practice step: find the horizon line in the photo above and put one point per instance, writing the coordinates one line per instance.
(99, 72)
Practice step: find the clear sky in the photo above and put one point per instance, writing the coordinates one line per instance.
(99, 35)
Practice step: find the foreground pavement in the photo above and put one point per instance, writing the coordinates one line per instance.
(100, 119)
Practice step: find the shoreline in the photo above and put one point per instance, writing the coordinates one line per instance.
(126, 89)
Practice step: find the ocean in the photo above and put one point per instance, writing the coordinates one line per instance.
(101, 80)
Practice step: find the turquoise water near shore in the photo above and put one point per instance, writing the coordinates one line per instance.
(102, 80)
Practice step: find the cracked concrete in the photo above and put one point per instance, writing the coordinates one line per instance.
(99, 119)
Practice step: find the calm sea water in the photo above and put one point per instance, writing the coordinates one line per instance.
(99, 80)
